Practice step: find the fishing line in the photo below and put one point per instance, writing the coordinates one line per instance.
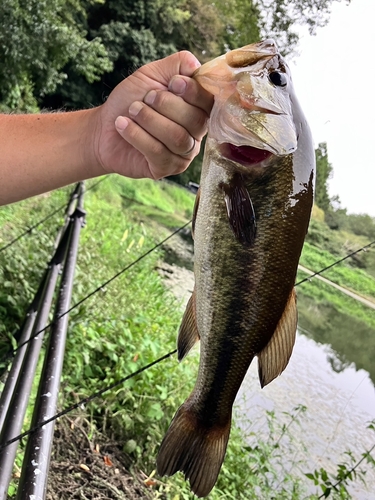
(347, 474)
(31, 228)
(112, 386)
(339, 421)
(87, 400)
(335, 263)
(99, 288)
(103, 285)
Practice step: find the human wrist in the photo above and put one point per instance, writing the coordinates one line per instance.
(91, 163)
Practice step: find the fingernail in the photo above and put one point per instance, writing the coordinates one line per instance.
(121, 123)
(135, 108)
(177, 85)
(150, 97)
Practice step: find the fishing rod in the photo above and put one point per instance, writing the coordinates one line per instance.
(102, 391)
(42, 221)
(86, 400)
(98, 289)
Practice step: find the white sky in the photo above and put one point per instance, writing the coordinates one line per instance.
(334, 77)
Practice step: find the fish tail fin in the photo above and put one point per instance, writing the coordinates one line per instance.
(194, 448)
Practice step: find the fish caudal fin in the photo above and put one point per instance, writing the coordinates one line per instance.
(275, 356)
(195, 449)
(188, 334)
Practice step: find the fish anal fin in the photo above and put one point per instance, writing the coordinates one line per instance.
(240, 211)
(188, 333)
(273, 359)
(194, 448)
(195, 210)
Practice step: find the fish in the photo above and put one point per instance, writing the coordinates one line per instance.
(250, 219)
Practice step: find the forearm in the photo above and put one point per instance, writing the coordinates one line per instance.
(42, 152)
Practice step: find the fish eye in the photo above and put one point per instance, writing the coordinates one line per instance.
(278, 79)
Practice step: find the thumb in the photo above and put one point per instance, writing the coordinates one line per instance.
(181, 63)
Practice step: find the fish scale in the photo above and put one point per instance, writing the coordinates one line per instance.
(250, 219)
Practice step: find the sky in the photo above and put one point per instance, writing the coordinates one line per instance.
(334, 78)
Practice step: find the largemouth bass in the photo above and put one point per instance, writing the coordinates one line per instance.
(250, 220)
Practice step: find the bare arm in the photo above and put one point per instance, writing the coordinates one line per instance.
(49, 150)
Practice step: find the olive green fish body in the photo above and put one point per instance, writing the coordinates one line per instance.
(251, 217)
(241, 292)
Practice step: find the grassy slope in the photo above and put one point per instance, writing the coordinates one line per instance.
(129, 323)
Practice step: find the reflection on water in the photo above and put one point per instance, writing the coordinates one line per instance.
(351, 338)
(334, 383)
(339, 406)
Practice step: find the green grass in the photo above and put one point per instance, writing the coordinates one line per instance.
(342, 274)
(129, 323)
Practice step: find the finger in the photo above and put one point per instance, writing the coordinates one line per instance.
(180, 63)
(174, 136)
(160, 161)
(174, 108)
(192, 92)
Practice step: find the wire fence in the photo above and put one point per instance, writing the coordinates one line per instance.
(13, 401)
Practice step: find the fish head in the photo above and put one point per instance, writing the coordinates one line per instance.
(252, 117)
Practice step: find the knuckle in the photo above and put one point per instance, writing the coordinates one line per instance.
(200, 121)
(157, 150)
(181, 139)
(169, 166)
(161, 99)
(133, 131)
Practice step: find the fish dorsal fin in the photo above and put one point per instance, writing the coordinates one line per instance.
(240, 211)
(188, 333)
(272, 360)
(195, 210)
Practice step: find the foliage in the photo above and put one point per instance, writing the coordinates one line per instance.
(280, 17)
(323, 174)
(342, 242)
(38, 38)
(335, 485)
(131, 322)
(53, 53)
(22, 265)
(135, 32)
(241, 19)
(341, 274)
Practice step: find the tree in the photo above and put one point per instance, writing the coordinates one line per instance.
(278, 19)
(38, 38)
(323, 173)
(53, 52)
(136, 32)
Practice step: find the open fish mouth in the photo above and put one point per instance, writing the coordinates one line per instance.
(245, 155)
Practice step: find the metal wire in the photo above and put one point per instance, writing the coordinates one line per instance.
(87, 400)
(99, 288)
(42, 221)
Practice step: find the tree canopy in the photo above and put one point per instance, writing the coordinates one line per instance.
(71, 53)
(323, 173)
(38, 40)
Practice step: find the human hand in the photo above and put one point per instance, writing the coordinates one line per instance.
(153, 122)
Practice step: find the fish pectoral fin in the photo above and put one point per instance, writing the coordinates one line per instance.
(240, 211)
(188, 333)
(194, 448)
(195, 210)
(273, 359)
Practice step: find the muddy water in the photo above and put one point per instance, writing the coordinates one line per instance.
(339, 405)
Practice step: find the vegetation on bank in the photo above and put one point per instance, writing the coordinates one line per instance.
(133, 321)
(70, 54)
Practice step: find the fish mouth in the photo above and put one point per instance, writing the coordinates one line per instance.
(245, 155)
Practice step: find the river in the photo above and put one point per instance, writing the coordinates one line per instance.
(339, 398)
